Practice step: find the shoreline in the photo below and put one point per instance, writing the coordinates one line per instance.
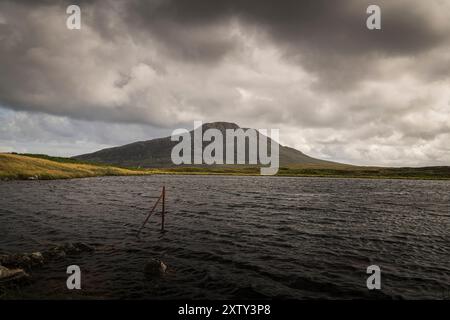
(14, 167)
(8, 179)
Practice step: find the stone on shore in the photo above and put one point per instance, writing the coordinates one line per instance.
(60, 251)
(10, 276)
(22, 260)
(28, 261)
(154, 268)
(83, 247)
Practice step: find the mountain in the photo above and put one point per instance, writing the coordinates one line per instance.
(42, 167)
(157, 152)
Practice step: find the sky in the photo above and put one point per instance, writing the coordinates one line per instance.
(137, 70)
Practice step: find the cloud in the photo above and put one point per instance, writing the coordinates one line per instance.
(62, 136)
(310, 68)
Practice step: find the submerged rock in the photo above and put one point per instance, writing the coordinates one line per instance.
(69, 248)
(37, 258)
(22, 260)
(60, 251)
(13, 266)
(8, 276)
(83, 247)
(29, 260)
(54, 253)
(155, 267)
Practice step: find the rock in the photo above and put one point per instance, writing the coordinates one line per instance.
(61, 251)
(55, 252)
(29, 260)
(3, 258)
(8, 276)
(155, 267)
(69, 248)
(22, 260)
(37, 258)
(83, 247)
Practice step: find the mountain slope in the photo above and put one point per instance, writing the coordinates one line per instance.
(157, 152)
(16, 166)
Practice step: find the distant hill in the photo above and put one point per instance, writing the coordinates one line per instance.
(42, 167)
(156, 153)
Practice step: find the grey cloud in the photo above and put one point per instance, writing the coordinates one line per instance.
(329, 39)
(320, 24)
(63, 136)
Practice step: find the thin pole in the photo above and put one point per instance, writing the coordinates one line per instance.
(163, 207)
(151, 211)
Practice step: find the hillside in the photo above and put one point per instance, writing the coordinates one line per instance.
(156, 153)
(14, 166)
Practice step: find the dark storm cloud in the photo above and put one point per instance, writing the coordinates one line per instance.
(328, 38)
(321, 24)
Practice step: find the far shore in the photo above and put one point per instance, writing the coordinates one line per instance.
(43, 167)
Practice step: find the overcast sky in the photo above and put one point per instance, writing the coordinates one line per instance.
(139, 69)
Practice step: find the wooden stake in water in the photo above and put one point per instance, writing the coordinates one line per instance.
(162, 196)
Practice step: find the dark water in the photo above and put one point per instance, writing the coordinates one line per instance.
(235, 237)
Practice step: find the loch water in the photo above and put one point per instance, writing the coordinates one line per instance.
(234, 237)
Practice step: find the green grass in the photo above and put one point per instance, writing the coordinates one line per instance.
(441, 173)
(51, 158)
(39, 166)
(17, 167)
(330, 171)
